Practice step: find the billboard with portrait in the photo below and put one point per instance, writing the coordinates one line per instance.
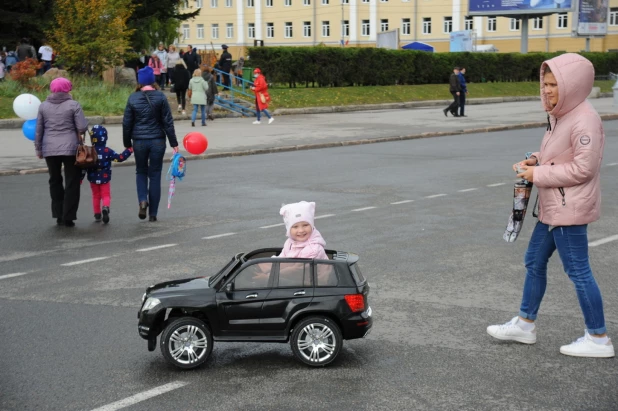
(512, 7)
(592, 17)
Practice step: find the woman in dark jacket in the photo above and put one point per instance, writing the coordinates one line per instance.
(211, 93)
(181, 78)
(147, 120)
(59, 121)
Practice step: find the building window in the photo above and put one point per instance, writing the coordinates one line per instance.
(384, 25)
(448, 24)
(250, 3)
(185, 4)
(537, 23)
(287, 3)
(306, 2)
(365, 28)
(185, 31)
(251, 30)
(491, 24)
(324, 2)
(269, 3)
(563, 21)
(215, 31)
(345, 1)
(270, 30)
(229, 30)
(514, 26)
(306, 29)
(214, 3)
(199, 4)
(200, 31)
(326, 29)
(468, 23)
(384, 1)
(405, 26)
(613, 16)
(228, 3)
(345, 28)
(365, 1)
(288, 30)
(426, 25)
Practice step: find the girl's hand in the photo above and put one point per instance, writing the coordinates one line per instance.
(528, 162)
(528, 173)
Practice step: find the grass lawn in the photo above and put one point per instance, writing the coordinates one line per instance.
(98, 98)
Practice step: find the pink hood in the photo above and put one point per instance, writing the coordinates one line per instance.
(312, 248)
(568, 174)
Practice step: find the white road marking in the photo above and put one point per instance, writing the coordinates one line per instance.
(142, 396)
(466, 190)
(495, 185)
(218, 236)
(402, 202)
(141, 250)
(90, 260)
(2, 277)
(364, 208)
(435, 196)
(603, 241)
(612, 164)
(324, 216)
(273, 225)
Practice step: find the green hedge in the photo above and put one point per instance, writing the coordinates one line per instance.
(332, 66)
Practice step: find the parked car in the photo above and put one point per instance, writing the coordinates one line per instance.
(312, 304)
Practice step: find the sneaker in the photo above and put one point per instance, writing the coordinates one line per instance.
(69, 223)
(257, 122)
(97, 218)
(270, 120)
(586, 347)
(152, 218)
(179, 109)
(184, 113)
(105, 214)
(511, 331)
(445, 111)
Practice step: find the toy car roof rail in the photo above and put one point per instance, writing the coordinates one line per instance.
(350, 258)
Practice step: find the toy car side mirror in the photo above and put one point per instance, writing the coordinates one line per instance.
(229, 287)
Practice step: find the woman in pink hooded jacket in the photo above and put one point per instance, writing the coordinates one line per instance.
(567, 174)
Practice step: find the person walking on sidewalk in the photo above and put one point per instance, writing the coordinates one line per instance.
(225, 65)
(211, 93)
(262, 98)
(567, 174)
(173, 57)
(162, 54)
(464, 91)
(197, 92)
(455, 89)
(147, 120)
(58, 124)
(181, 78)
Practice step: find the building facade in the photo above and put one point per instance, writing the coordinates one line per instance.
(240, 23)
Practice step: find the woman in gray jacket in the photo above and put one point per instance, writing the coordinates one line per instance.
(58, 124)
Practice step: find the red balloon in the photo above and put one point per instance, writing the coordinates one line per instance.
(195, 143)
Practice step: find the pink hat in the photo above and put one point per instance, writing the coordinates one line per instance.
(60, 85)
(297, 212)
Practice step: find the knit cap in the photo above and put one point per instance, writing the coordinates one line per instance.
(297, 212)
(60, 85)
(146, 76)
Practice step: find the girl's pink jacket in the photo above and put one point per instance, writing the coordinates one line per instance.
(156, 66)
(568, 174)
(312, 248)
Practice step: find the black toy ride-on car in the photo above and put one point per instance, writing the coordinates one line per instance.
(312, 304)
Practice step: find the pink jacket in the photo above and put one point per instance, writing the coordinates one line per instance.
(568, 174)
(156, 66)
(312, 248)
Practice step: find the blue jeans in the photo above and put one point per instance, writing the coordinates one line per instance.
(148, 164)
(194, 114)
(572, 245)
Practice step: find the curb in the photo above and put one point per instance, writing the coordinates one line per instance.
(242, 153)
(17, 122)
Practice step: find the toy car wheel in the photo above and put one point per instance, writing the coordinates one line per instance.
(186, 342)
(316, 341)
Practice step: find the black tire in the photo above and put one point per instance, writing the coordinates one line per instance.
(316, 341)
(186, 342)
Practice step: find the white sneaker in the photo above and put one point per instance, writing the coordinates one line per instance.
(586, 347)
(184, 113)
(511, 331)
(270, 120)
(179, 109)
(256, 122)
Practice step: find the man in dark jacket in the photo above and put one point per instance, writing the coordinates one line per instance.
(225, 62)
(464, 91)
(190, 59)
(25, 50)
(211, 93)
(455, 89)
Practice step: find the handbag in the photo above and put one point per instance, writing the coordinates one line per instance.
(85, 156)
(262, 98)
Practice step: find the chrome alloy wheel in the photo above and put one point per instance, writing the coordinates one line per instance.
(316, 343)
(188, 344)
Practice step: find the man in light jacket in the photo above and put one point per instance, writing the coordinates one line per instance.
(567, 174)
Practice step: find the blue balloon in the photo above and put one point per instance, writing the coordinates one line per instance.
(29, 129)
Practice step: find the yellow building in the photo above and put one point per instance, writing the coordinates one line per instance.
(240, 23)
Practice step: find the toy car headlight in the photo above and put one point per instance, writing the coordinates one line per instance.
(151, 303)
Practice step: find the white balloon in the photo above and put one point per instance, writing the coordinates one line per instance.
(26, 106)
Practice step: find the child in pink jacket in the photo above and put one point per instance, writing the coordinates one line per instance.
(304, 240)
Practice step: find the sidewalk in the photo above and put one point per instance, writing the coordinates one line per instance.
(237, 136)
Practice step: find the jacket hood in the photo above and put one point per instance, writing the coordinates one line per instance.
(196, 79)
(315, 238)
(57, 98)
(575, 77)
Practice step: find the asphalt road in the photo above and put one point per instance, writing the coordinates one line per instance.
(439, 269)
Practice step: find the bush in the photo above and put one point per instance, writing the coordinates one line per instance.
(24, 71)
(333, 67)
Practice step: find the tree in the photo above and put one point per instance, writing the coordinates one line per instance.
(23, 18)
(157, 20)
(91, 35)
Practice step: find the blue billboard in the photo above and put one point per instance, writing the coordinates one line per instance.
(508, 7)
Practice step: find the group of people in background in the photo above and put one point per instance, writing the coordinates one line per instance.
(23, 51)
